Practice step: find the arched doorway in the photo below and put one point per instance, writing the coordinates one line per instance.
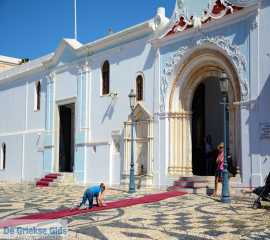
(207, 126)
(195, 111)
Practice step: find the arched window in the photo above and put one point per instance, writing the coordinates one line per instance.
(3, 157)
(106, 78)
(37, 96)
(139, 88)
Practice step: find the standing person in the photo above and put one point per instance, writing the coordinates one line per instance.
(208, 153)
(220, 167)
(91, 192)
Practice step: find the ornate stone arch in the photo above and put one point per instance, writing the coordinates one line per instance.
(178, 61)
(201, 63)
(143, 136)
(206, 60)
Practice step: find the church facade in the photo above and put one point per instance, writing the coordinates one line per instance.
(69, 111)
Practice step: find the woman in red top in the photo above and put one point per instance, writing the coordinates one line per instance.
(220, 167)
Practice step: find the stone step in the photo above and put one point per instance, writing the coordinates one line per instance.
(50, 177)
(190, 184)
(193, 178)
(64, 179)
(54, 175)
(47, 180)
(171, 180)
(193, 190)
(42, 183)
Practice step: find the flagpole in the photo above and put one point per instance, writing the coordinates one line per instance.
(75, 19)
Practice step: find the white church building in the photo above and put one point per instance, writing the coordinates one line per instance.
(69, 112)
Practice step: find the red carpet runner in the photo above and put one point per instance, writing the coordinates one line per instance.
(49, 178)
(39, 217)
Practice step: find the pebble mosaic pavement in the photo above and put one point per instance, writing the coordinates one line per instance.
(186, 217)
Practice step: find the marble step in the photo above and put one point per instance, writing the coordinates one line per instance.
(64, 179)
(190, 184)
(194, 178)
(193, 190)
(47, 180)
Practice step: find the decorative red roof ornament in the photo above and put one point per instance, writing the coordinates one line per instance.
(215, 10)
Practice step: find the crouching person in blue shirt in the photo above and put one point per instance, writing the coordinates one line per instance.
(91, 192)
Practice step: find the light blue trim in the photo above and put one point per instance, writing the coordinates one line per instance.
(79, 170)
(80, 137)
(79, 177)
(82, 100)
(47, 164)
(48, 138)
(49, 105)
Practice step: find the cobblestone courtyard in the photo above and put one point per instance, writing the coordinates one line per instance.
(185, 217)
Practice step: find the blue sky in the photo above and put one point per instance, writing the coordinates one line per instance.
(33, 28)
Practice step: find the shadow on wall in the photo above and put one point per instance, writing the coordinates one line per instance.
(110, 110)
(241, 33)
(150, 59)
(259, 128)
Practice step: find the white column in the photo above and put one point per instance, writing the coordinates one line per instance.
(150, 143)
(187, 137)
(172, 147)
(82, 126)
(49, 146)
(180, 144)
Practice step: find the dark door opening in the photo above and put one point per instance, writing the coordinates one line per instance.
(198, 131)
(66, 138)
(207, 127)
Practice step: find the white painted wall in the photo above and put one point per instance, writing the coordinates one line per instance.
(98, 165)
(19, 129)
(14, 149)
(261, 111)
(66, 85)
(33, 157)
(107, 115)
(12, 99)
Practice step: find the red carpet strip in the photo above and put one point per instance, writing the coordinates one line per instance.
(49, 178)
(40, 217)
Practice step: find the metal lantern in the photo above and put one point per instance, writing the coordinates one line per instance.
(224, 82)
(132, 99)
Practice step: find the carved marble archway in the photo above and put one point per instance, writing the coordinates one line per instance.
(181, 57)
(144, 147)
(202, 63)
